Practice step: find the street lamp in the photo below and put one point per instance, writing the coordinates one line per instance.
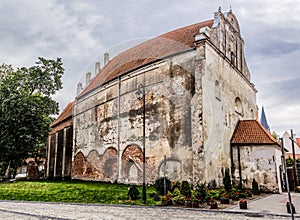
(140, 93)
(286, 178)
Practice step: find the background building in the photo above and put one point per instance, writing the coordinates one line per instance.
(60, 146)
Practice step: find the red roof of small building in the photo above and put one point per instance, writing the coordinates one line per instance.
(152, 50)
(298, 142)
(251, 132)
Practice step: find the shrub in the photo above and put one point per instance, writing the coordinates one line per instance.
(236, 189)
(185, 188)
(159, 185)
(166, 200)
(243, 195)
(224, 195)
(155, 196)
(235, 195)
(248, 192)
(133, 192)
(175, 185)
(201, 190)
(227, 180)
(212, 184)
(179, 200)
(176, 192)
(213, 193)
(255, 188)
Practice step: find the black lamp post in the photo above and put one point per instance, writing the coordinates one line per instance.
(140, 93)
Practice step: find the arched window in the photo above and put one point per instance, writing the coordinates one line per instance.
(238, 106)
(132, 159)
(232, 57)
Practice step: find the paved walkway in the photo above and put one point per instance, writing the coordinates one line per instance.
(273, 204)
(271, 207)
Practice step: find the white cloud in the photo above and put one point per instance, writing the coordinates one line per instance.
(79, 31)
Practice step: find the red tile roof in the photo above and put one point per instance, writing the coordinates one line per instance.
(152, 50)
(252, 132)
(298, 141)
(64, 116)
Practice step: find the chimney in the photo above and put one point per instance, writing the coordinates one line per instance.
(106, 58)
(88, 78)
(97, 68)
(79, 88)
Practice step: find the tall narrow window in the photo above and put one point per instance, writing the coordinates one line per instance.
(232, 58)
(252, 114)
(217, 90)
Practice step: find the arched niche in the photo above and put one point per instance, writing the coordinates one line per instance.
(132, 164)
(172, 169)
(78, 164)
(238, 106)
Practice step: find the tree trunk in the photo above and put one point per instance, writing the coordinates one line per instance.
(7, 176)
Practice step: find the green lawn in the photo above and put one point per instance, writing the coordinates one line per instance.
(71, 191)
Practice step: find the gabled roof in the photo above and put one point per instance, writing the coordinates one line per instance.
(65, 115)
(147, 52)
(251, 132)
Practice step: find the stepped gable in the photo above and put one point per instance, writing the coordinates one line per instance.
(251, 132)
(152, 50)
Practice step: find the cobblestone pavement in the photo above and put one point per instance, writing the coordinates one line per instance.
(63, 211)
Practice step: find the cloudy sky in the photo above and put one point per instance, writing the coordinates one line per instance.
(80, 31)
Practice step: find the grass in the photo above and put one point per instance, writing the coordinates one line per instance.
(71, 191)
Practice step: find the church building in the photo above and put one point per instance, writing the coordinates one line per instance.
(181, 102)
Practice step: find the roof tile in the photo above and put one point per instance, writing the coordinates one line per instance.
(298, 142)
(152, 50)
(65, 115)
(252, 132)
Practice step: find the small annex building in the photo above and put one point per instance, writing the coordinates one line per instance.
(256, 155)
(196, 95)
(60, 145)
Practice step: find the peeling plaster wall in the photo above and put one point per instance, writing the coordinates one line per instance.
(222, 85)
(227, 94)
(193, 101)
(261, 163)
(169, 88)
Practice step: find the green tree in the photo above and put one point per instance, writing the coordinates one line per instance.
(289, 162)
(275, 135)
(26, 106)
